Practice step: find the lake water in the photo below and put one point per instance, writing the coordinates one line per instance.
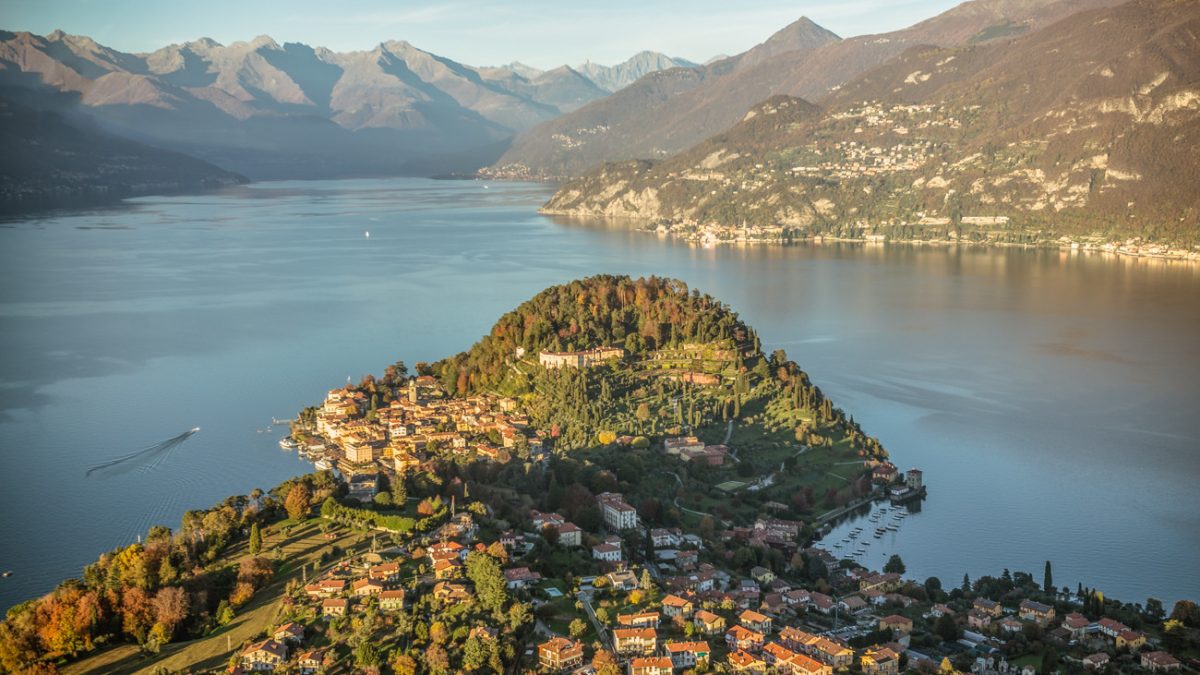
(1052, 399)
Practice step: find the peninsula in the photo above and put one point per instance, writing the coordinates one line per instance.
(616, 478)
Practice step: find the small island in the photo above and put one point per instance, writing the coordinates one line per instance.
(616, 479)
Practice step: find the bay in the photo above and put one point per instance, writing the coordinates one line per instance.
(1051, 398)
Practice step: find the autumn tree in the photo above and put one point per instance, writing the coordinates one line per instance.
(1186, 612)
(170, 609)
(604, 663)
(137, 614)
(497, 551)
(403, 664)
(437, 660)
(298, 501)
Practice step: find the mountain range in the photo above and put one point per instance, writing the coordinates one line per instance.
(1088, 126)
(287, 111)
(672, 110)
(1022, 119)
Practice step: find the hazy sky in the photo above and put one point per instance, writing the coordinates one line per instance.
(543, 33)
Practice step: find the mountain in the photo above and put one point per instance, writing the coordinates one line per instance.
(1088, 127)
(292, 111)
(47, 159)
(563, 88)
(672, 110)
(615, 78)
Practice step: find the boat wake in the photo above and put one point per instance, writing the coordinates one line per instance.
(146, 459)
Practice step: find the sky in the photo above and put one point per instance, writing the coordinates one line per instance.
(541, 33)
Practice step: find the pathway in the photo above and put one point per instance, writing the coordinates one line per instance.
(601, 632)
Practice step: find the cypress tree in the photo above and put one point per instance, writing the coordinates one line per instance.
(1048, 581)
(255, 540)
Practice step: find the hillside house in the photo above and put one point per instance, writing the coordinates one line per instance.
(674, 606)
(651, 665)
(264, 656)
(881, 661)
(708, 623)
(629, 641)
(1160, 661)
(391, 601)
(755, 621)
(741, 637)
(335, 607)
(899, 625)
(1036, 612)
(559, 654)
(688, 654)
(617, 514)
(610, 553)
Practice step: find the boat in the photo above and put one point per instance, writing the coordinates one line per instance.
(323, 464)
(7, 573)
(288, 443)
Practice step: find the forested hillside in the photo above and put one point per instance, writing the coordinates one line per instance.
(1085, 129)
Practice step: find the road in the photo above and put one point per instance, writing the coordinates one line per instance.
(685, 509)
(769, 480)
(601, 631)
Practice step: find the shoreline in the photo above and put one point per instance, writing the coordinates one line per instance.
(709, 237)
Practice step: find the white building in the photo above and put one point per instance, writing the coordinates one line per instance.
(617, 514)
(607, 552)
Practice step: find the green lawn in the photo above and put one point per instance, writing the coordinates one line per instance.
(1034, 660)
(565, 613)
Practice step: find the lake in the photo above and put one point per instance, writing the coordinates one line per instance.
(1051, 398)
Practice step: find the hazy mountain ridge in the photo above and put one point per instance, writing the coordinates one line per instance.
(292, 110)
(1088, 127)
(615, 78)
(662, 115)
(47, 160)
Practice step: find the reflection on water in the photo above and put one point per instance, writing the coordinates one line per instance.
(1050, 397)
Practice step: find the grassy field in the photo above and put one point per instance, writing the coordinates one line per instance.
(564, 614)
(1034, 660)
(302, 546)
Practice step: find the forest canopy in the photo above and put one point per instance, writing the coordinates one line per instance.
(635, 314)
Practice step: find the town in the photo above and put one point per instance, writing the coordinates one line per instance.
(660, 600)
(646, 494)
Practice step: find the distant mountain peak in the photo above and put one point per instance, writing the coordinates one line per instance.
(524, 70)
(264, 42)
(205, 42)
(803, 33)
(78, 40)
(613, 78)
